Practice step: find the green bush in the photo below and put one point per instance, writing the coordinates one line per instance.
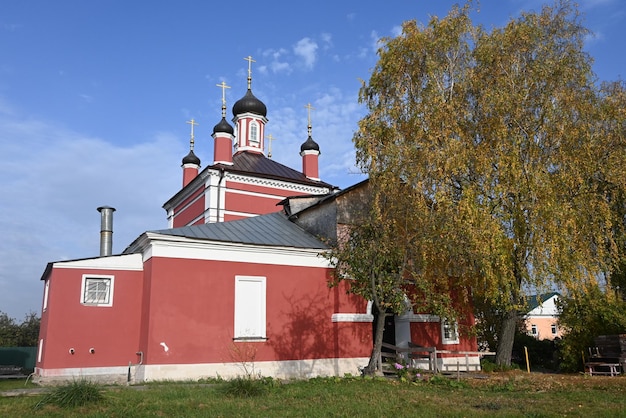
(247, 387)
(584, 317)
(78, 393)
(541, 353)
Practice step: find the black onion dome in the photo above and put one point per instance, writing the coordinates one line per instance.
(191, 158)
(224, 126)
(249, 104)
(309, 145)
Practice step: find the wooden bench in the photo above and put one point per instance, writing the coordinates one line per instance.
(599, 367)
(608, 356)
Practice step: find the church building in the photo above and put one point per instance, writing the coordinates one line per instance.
(237, 284)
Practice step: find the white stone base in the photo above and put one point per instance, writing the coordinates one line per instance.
(292, 369)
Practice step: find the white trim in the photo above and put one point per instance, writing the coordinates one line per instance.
(167, 246)
(277, 184)
(352, 317)
(242, 214)
(114, 262)
(40, 350)
(214, 193)
(412, 317)
(455, 327)
(46, 291)
(257, 142)
(110, 290)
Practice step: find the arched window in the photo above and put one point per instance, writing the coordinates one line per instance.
(254, 134)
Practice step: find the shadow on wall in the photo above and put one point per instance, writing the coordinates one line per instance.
(308, 333)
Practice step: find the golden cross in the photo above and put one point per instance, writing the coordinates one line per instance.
(250, 61)
(191, 141)
(224, 87)
(269, 151)
(309, 108)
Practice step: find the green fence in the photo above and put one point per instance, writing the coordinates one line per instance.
(23, 357)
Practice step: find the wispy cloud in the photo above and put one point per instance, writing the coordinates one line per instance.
(52, 180)
(278, 61)
(306, 49)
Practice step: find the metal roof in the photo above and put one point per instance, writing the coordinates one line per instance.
(272, 229)
(536, 300)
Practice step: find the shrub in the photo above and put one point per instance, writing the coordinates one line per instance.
(247, 387)
(541, 353)
(78, 393)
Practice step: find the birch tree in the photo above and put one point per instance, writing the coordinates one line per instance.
(495, 154)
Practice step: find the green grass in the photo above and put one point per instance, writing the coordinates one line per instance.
(71, 395)
(513, 394)
(9, 384)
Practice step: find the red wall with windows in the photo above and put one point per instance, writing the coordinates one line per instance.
(111, 331)
(429, 334)
(199, 327)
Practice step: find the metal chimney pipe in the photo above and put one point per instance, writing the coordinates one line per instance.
(106, 230)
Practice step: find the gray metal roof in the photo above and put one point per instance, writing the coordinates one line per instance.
(271, 229)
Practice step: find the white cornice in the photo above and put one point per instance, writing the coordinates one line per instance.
(352, 317)
(168, 246)
(412, 317)
(115, 262)
(278, 184)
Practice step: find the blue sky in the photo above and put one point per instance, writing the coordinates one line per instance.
(94, 96)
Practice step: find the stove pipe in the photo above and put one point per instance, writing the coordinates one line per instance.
(106, 230)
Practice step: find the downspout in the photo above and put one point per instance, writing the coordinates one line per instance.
(130, 364)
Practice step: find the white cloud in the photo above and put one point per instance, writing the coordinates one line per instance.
(306, 49)
(327, 40)
(52, 180)
(376, 41)
(396, 31)
(277, 61)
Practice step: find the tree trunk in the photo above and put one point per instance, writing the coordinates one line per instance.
(506, 338)
(374, 363)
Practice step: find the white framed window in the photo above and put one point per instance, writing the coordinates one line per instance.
(97, 290)
(449, 332)
(46, 290)
(553, 329)
(254, 133)
(250, 308)
(533, 330)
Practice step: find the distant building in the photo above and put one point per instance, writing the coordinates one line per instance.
(236, 284)
(542, 317)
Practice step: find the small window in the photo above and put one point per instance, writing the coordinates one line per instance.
(449, 332)
(254, 134)
(250, 304)
(554, 329)
(97, 290)
(533, 330)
